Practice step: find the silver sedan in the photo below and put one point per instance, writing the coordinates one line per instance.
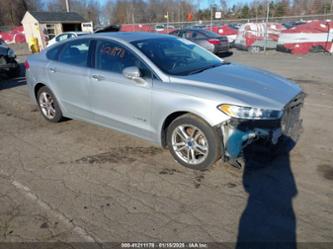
(166, 90)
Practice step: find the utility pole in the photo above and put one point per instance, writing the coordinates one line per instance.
(211, 17)
(331, 7)
(266, 29)
(67, 6)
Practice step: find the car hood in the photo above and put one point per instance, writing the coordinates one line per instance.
(238, 84)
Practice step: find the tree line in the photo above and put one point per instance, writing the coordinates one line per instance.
(149, 11)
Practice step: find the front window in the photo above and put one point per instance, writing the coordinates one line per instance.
(113, 57)
(177, 57)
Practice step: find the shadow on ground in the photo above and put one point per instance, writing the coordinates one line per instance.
(268, 220)
(19, 80)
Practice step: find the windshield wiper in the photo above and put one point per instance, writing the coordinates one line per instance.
(199, 70)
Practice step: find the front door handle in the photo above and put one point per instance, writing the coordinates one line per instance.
(52, 70)
(97, 77)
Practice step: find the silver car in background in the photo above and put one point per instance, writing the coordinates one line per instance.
(209, 40)
(166, 90)
(65, 36)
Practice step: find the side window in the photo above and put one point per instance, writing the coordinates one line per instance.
(114, 58)
(53, 53)
(75, 53)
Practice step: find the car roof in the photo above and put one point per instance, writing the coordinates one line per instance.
(130, 36)
(75, 32)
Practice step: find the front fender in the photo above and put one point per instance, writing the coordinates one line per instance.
(165, 104)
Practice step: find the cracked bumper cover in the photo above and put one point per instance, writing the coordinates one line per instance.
(238, 134)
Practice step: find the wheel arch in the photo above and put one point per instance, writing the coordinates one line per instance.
(171, 117)
(37, 87)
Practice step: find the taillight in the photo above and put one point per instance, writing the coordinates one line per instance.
(214, 41)
(26, 65)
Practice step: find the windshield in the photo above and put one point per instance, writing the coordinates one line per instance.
(177, 57)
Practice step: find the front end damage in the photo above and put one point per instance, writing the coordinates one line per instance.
(262, 136)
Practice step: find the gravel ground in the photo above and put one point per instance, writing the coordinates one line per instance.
(74, 181)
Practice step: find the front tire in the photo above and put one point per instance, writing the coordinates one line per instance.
(48, 105)
(193, 143)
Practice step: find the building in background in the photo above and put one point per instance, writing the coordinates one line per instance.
(43, 26)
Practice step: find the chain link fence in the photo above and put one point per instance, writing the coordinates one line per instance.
(294, 34)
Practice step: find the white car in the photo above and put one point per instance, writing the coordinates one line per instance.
(65, 36)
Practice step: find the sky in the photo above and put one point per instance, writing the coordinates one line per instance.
(205, 3)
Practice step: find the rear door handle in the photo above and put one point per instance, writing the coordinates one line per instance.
(52, 70)
(97, 77)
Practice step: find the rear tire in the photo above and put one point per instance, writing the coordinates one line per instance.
(193, 143)
(48, 105)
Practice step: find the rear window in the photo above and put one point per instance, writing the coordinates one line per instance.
(75, 53)
(53, 53)
(210, 33)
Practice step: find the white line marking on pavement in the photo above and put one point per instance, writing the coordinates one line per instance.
(30, 195)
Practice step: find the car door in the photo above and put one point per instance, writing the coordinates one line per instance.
(69, 77)
(117, 101)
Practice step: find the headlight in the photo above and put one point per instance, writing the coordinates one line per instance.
(11, 53)
(243, 112)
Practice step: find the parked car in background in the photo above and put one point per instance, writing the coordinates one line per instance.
(109, 28)
(234, 25)
(226, 30)
(8, 63)
(164, 28)
(255, 36)
(313, 36)
(166, 90)
(291, 24)
(211, 41)
(65, 36)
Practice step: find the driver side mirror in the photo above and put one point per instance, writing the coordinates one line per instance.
(132, 73)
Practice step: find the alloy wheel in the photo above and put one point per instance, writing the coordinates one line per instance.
(190, 144)
(46, 104)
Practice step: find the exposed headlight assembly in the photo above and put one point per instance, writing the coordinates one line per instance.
(11, 53)
(243, 112)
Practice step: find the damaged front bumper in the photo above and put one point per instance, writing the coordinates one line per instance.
(239, 134)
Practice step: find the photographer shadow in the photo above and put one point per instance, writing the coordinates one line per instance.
(268, 220)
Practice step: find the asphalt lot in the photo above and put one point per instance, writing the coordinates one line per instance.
(74, 181)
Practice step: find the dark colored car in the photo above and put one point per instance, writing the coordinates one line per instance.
(110, 28)
(211, 41)
(8, 64)
(292, 24)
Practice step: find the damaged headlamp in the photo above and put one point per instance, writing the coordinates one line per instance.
(243, 112)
